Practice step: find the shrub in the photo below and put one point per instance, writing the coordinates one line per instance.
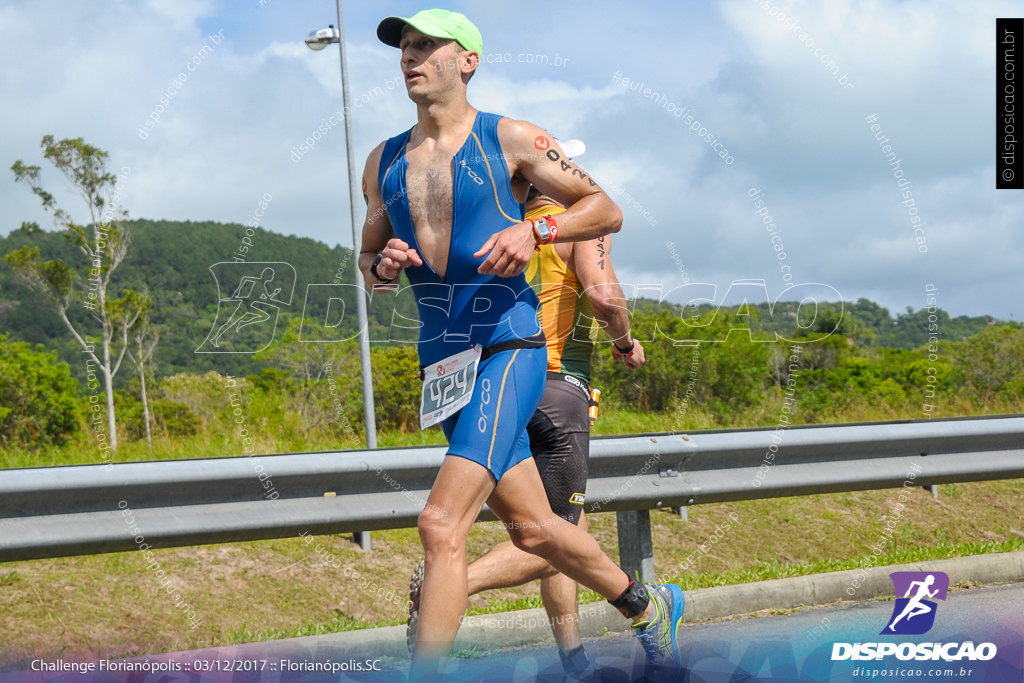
(39, 401)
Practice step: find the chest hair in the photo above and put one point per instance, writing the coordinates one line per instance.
(429, 184)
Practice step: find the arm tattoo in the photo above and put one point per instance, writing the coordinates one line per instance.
(553, 155)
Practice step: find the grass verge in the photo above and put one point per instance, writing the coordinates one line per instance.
(115, 605)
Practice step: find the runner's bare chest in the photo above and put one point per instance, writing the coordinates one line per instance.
(428, 181)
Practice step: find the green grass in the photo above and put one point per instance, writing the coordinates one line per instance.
(112, 605)
(218, 440)
(207, 446)
(430, 437)
(340, 624)
(764, 571)
(130, 451)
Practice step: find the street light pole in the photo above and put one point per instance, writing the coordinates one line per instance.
(369, 419)
(318, 40)
(353, 192)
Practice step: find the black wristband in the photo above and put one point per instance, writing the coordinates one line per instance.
(373, 269)
(626, 351)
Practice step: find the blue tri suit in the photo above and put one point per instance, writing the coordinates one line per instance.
(466, 307)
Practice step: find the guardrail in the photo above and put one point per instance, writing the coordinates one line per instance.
(89, 509)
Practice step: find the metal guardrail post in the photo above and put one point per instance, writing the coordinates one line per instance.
(636, 550)
(363, 539)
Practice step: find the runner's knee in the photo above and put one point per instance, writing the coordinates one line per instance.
(534, 537)
(437, 532)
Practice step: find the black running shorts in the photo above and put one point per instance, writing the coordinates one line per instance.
(560, 442)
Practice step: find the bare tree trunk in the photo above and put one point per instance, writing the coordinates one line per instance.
(145, 405)
(108, 387)
(140, 329)
(108, 375)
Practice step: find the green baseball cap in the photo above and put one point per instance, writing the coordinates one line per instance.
(439, 23)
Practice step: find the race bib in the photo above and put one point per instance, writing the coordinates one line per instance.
(448, 386)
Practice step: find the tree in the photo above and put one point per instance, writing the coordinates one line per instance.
(989, 362)
(104, 241)
(316, 375)
(144, 338)
(38, 396)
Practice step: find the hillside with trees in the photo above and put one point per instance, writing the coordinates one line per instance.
(708, 367)
(171, 261)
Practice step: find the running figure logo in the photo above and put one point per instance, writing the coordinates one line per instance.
(913, 613)
(255, 294)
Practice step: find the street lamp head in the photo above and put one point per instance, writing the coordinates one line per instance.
(318, 40)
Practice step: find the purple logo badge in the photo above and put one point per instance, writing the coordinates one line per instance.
(914, 612)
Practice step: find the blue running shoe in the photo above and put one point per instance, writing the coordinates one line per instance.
(658, 636)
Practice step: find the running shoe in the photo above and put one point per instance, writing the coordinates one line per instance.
(415, 591)
(658, 636)
(577, 667)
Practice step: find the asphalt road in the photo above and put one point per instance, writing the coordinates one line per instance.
(798, 646)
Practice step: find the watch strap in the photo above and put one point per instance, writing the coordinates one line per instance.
(373, 269)
(628, 351)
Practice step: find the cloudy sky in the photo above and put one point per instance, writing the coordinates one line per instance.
(785, 88)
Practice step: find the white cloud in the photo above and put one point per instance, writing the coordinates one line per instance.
(184, 14)
(228, 134)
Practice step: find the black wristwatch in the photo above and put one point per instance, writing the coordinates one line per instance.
(628, 351)
(373, 269)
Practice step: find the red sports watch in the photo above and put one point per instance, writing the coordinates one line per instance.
(545, 229)
(628, 351)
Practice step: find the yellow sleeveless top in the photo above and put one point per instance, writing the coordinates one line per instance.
(565, 313)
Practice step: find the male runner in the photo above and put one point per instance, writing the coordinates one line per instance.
(451, 188)
(578, 294)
